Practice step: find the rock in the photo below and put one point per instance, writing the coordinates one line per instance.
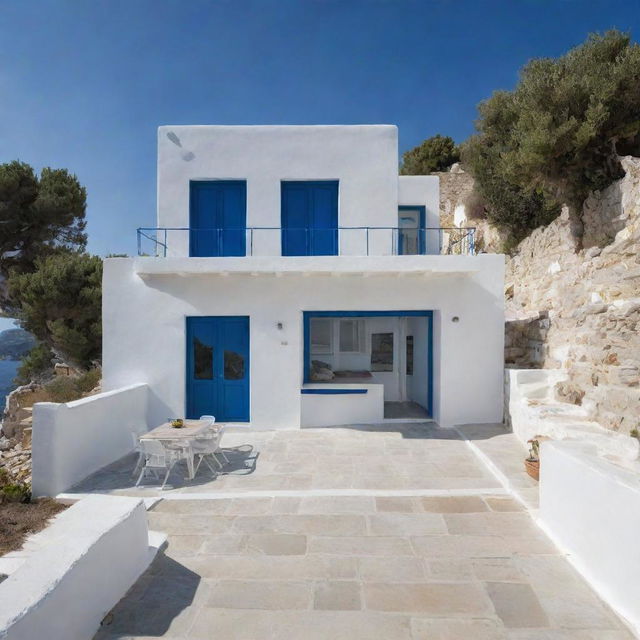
(568, 392)
(583, 271)
(5, 443)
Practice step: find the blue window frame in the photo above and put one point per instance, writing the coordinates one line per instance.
(412, 238)
(308, 315)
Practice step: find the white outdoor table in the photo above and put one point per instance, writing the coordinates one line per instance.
(190, 431)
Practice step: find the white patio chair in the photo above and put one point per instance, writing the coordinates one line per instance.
(137, 447)
(207, 445)
(220, 428)
(158, 458)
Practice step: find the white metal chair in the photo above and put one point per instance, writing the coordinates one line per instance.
(207, 445)
(137, 447)
(220, 429)
(159, 458)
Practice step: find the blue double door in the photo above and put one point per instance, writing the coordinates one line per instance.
(310, 218)
(218, 218)
(218, 367)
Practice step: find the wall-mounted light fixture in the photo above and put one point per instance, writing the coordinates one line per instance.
(280, 326)
(455, 319)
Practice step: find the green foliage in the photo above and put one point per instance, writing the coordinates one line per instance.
(39, 215)
(558, 134)
(68, 388)
(63, 389)
(60, 303)
(15, 492)
(36, 365)
(437, 153)
(89, 380)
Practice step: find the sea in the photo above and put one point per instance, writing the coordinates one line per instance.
(8, 371)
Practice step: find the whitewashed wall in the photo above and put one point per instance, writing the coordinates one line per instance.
(425, 191)
(331, 410)
(591, 509)
(144, 331)
(73, 440)
(417, 388)
(364, 158)
(86, 561)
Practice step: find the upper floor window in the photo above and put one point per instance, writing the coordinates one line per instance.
(217, 218)
(309, 218)
(411, 231)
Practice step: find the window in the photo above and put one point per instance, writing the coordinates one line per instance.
(409, 355)
(202, 360)
(351, 336)
(233, 365)
(411, 232)
(382, 352)
(320, 329)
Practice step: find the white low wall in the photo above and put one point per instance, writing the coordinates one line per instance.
(96, 550)
(326, 410)
(591, 509)
(73, 440)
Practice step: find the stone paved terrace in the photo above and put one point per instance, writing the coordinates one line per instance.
(354, 534)
(393, 457)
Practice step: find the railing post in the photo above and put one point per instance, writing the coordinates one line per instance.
(139, 242)
(165, 242)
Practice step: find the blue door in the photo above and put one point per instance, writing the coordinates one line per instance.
(218, 218)
(218, 367)
(310, 218)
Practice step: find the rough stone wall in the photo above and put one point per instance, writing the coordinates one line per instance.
(455, 187)
(573, 302)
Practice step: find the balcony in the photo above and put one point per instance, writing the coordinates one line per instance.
(274, 242)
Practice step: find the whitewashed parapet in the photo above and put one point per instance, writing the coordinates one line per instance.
(591, 509)
(88, 558)
(75, 439)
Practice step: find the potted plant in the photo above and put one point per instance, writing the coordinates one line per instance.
(532, 463)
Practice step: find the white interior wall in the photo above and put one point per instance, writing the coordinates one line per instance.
(390, 379)
(363, 158)
(418, 383)
(144, 332)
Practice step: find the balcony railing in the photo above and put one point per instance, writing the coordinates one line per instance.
(275, 241)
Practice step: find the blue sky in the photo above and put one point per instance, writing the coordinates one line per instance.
(85, 83)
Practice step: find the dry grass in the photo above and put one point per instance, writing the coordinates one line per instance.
(18, 520)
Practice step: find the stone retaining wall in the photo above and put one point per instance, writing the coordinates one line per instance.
(573, 302)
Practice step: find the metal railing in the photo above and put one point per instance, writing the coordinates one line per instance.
(276, 241)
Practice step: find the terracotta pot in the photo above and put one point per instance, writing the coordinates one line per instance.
(532, 467)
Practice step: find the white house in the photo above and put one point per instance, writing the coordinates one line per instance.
(294, 279)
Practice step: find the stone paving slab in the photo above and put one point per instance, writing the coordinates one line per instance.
(393, 456)
(356, 569)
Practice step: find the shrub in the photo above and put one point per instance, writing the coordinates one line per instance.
(437, 153)
(89, 380)
(474, 206)
(63, 389)
(557, 136)
(16, 492)
(61, 304)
